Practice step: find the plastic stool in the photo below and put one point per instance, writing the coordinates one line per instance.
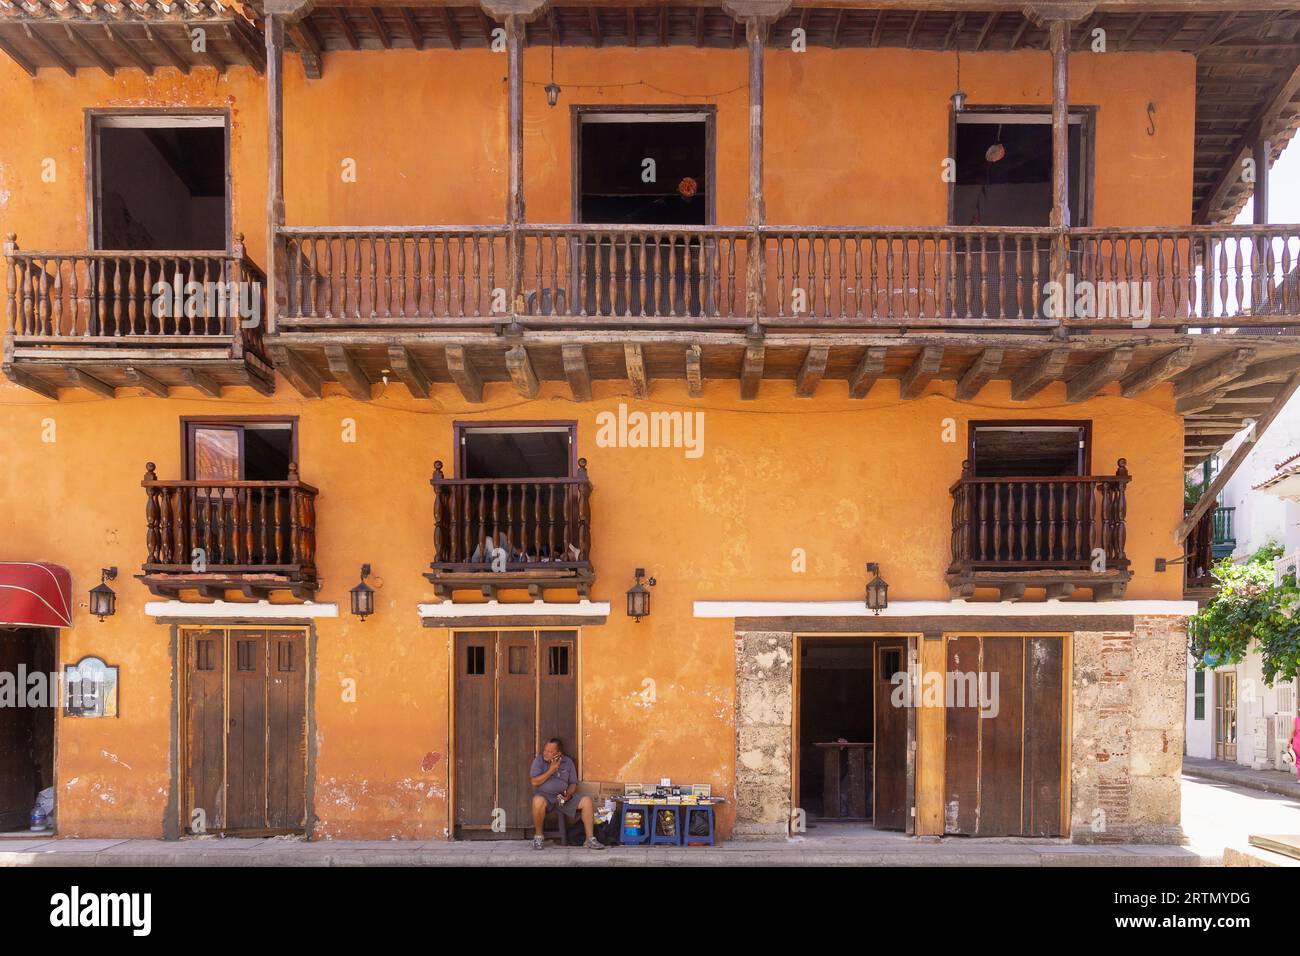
(634, 839)
(673, 839)
(697, 840)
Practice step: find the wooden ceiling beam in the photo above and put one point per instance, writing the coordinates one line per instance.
(90, 50)
(1206, 377)
(449, 27)
(143, 379)
(577, 372)
(302, 376)
(409, 371)
(811, 371)
(464, 373)
(50, 49)
(204, 382)
(1098, 374)
(1040, 373)
(381, 31)
(412, 28)
(1153, 373)
(979, 374)
(24, 64)
(347, 372)
(158, 39)
(520, 366)
(694, 371)
(91, 383)
(989, 22)
(921, 372)
(867, 373)
(638, 378)
(345, 27)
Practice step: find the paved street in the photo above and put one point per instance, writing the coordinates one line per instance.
(1215, 815)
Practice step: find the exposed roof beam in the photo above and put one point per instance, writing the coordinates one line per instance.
(155, 34)
(23, 63)
(811, 372)
(751, 370)
(349, 34)
(144, 380)
(412, 28)
(36, 37)
(521, 371)
(204, 382)
(1153, 373)
(1097, 375)
(449, 27)
(979, 374)
(408, 370)
(634, 359)
(464, 373)
(381, 31)
(347, 372)
(1039, 374)
(576, 371)
(89, 49)
(923, 369)
(694, 371)
(867, 373)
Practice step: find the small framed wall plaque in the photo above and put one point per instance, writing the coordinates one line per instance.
(90, 689)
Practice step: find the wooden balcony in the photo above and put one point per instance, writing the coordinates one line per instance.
(100, 321)
(1057, 534)
(511, 533)
(256, 537)
(1207, 537)
(697, 278)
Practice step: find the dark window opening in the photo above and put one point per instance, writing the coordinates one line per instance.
(614, 173)
(529, 452)
(286, 655)
(205, 656)
(558, 663)
(475, 660)
(245, 658)
(1029, 451)
(835, 703)
(160, 186)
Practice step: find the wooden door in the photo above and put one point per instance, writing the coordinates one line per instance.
(889, 775)
(513, 690)
(1225, 715)
(246, 729)
(1003, 739)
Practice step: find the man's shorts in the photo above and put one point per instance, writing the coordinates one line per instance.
(568, 809)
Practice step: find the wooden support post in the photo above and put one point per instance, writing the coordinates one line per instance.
(277, 299)
(1263, 153)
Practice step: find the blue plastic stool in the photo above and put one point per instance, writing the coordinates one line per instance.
(673, 839)
(634, 839)
(691, 810)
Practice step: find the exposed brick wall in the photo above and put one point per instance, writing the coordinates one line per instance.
(764, 709)
(1127, 733)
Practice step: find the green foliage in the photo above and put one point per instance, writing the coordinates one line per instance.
(1248, 608)
(1193, 488)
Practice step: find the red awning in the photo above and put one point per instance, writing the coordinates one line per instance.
(35, 595)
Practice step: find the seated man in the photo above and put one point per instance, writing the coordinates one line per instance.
(555, 781)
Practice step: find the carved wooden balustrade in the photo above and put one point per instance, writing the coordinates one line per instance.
(257, 536)
(1199, 552)
(154, 299)
(806, 277)
(491, 533)
(1057, 532)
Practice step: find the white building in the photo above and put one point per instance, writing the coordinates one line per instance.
(1231, 714)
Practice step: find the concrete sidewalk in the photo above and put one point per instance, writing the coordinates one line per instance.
(857, 849)
(1221, 771)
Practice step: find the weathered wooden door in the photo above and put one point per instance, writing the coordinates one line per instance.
(245, 729)
(1225, 715)
(1004, 726)
(889, 810)
(513, 690)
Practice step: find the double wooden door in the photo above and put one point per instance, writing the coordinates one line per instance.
(245, 730)
(1225, 715)
(514, 690)
(1004, 752)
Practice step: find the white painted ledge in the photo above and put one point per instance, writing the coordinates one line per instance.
(223, 610)
(491, 609)
(733, 609)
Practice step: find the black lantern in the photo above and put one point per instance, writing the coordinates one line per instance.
(363, 596)
(103, 602)
(877, 590)
(638, 597)
(552, 93)
(959, 97)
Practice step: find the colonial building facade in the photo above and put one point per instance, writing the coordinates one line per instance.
(383, 350)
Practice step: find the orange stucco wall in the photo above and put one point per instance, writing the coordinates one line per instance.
(852, 137)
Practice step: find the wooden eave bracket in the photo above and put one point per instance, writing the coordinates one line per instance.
(1043, 12)
(290, 11)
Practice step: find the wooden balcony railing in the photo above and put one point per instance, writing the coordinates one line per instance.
(1199, 551)
(498, 529)
(1040, 524)
(809, 277)
(116, 299)
(392, 276)
(231, 529)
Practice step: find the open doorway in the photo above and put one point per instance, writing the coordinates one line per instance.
(643, 166)
(852, 735)
(161, 182)
(27, 729)
(1003, 159)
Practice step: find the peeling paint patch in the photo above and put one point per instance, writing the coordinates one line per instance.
(113, 757)
(430, 761)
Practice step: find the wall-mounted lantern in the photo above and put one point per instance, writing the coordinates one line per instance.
(877, 590)
(552, 88)
(959, 97)
(103, 602)
(363, 596)
(638, 597)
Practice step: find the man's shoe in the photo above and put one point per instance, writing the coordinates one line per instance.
(594, 844)
(539, 843)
